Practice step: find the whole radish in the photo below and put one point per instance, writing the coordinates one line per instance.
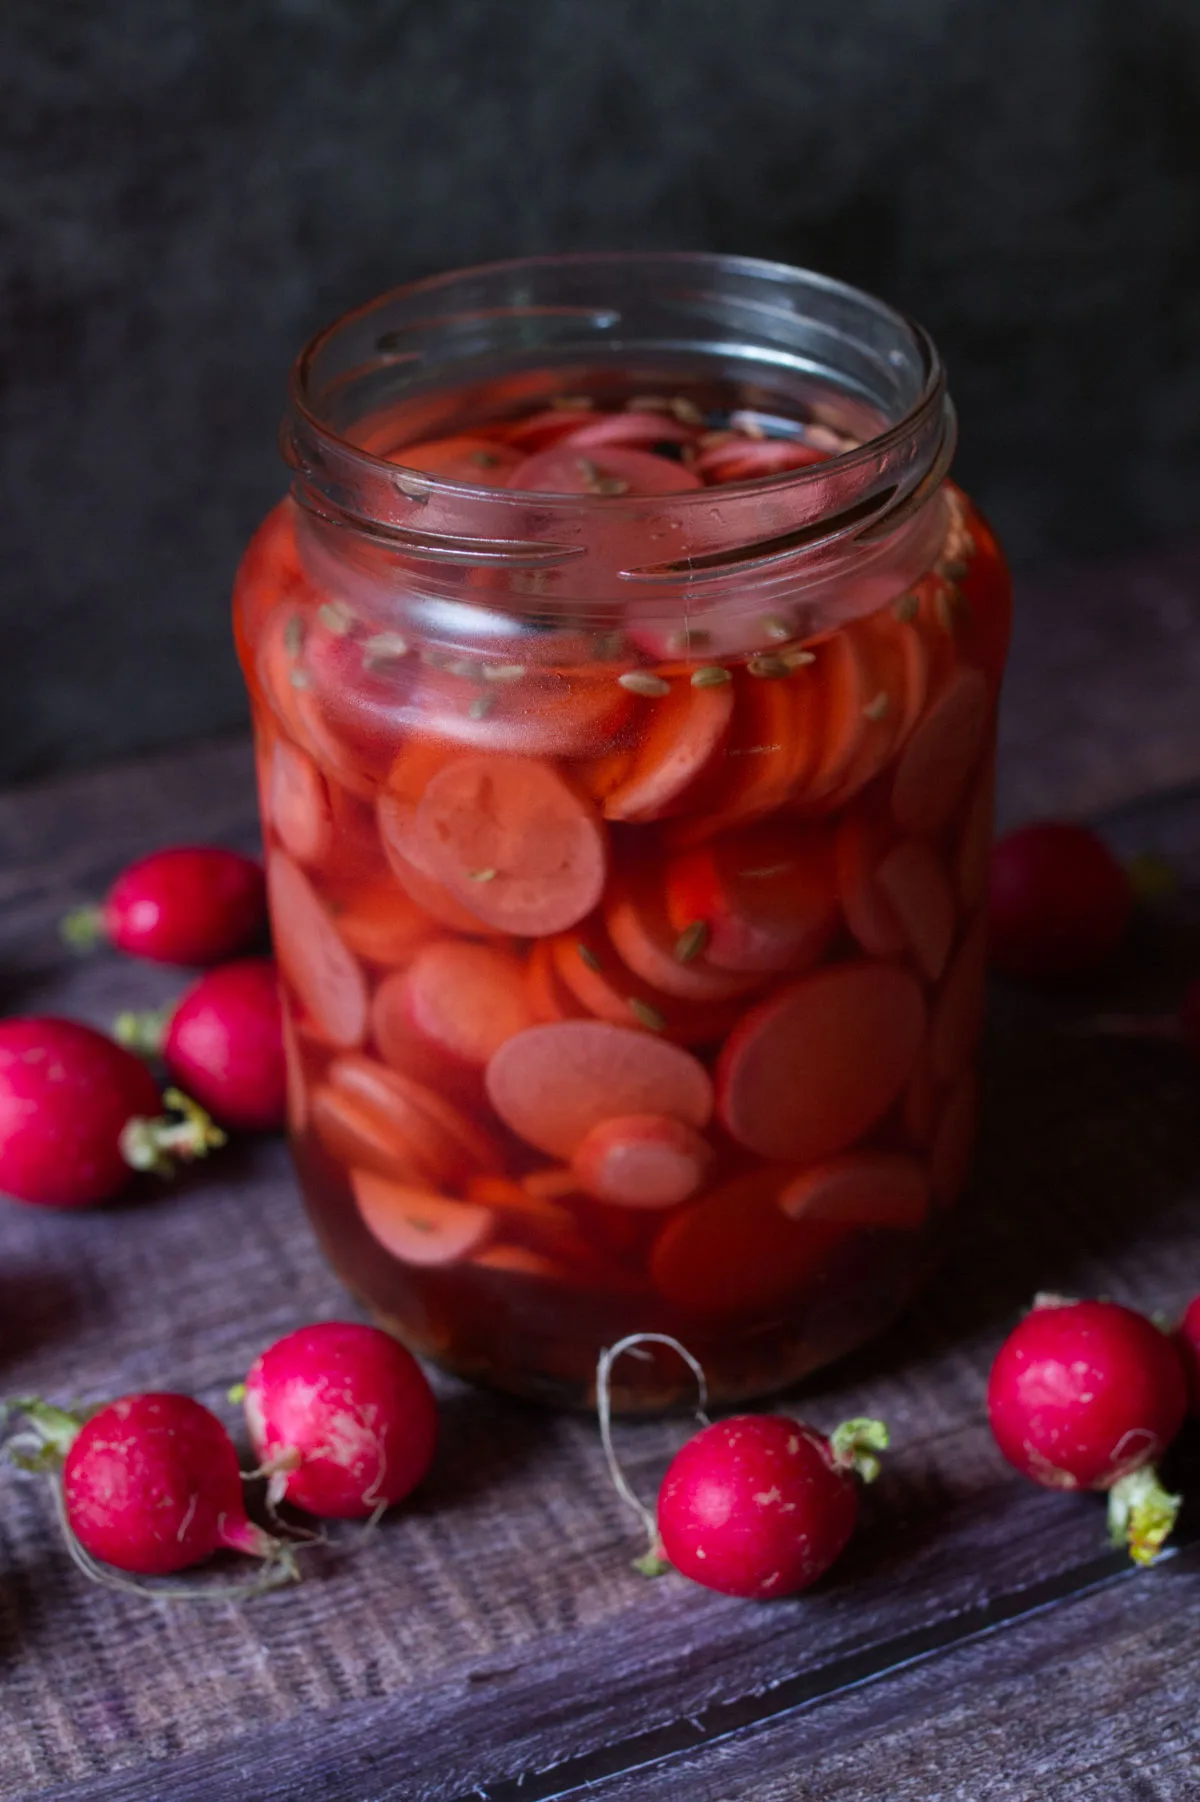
(761, 1505)
(188, 904)
(223, 1043)
(757, 1506)
(78, 1115)
(150, 1484)
(1088, 1395)
(1059, 902)
(342, 1417)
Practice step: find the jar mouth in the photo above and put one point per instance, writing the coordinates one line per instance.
(427, 356)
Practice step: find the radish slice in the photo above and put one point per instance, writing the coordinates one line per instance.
(735, 1251)
(297, 1084)
(298, 804)
(936, 764)
(683, 734)
(807, 1073)
(861, 1189)
(540, 430)
(630, 429)
(381, 923)
(843, 691)
(426, 1132)
(415, 1226)
(313, 958)
(552, 1084)
(860, 846)
(594, 973)
(959, 1010)
(362, 1136)
(636, 916)
(975, 844)
(549, 996)
(601, 469)
(765, 897)
(517, 847)
(954, 1146)
(915, 886)
(462, 1001)
(480, 461)
(433, 898)
(749, 459)
(642, 1161)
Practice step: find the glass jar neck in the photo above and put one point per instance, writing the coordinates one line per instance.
(728, 333)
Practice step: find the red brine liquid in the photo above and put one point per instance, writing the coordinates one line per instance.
(634, 976)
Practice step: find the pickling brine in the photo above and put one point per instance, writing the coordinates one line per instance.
(625, 731)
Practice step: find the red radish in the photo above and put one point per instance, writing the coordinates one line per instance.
(151, 1485)
(1088, 1395)
(342, 1417)
(757, 1506)
(191, 904)
(79, 1114)
(600, 469)
(223, 1042)
(761, 1505)
(642, 1161)
(1060, 902)
(1187, 1339)
(552, 1084)
(512, 842)
(793, 1081)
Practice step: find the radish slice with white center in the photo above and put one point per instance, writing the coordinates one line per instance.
(914, 884)
(810, 1071)
(936, 764)
(553, 1084)
(416, 1226)
(324, 974)
(642, 1161)
(298, 804)
(861, 1189)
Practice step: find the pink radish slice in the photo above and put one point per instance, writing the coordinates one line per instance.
(601, 469)
(313, 958)
(959, 1009)
(552, 1084)
(513, 843)
(381, 923)
(810, 1071)
(682, 735)
(844, 690)
(460, 1000)
(936, 764)
(636, 917)
(860, 846)
(861, 1189)
(954, 1143)
(765, 895)
(298, 804)
(425, 1132)
(596, 976)
(735, 1251)
(642, 1161)
(975, 843)
(433, 898)
(912, 881)
(416, 1226)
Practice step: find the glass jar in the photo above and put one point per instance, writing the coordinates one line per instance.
(627, 831)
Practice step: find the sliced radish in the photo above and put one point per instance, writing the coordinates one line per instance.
(298, 804)
(538, 431)
(765, 895)
(544, 713)
(480, 461)
(975, 843)
(596, 976)
(381, 923)
(433, 898)
(321, 970)
(842, 688)
(513, 843)
(636, 917)
(914, 884)
(861, 844)
(807, 1073)
(642, 1161)
(549, 996)
(771, 750)
(736, 1252)
(959, 1010)
(424, 1130)
(684, 732)
(631, 429)
(954, 1144)
(297, 1083)
(552, 1084)
(936, 764)
(416, 1226)
(749, 459)
(361, 1134)
(600, 469)
(861, 1189)
(458, 999)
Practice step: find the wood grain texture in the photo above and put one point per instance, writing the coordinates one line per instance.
(492, 1640)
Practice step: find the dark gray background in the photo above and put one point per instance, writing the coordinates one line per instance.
(189, 187)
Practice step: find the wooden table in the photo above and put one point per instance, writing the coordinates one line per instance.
(978, 1641)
